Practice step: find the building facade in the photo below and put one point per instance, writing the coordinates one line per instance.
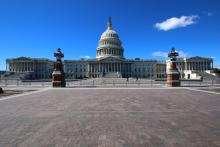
(109, 63)
(28, 68)
(190, 68)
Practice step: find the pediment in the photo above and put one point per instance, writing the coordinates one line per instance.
(111, 59)
(23, 58)
(197, 58)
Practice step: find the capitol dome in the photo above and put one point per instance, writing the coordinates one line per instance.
(109, 44)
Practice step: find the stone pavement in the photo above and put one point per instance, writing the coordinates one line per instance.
(147, 117)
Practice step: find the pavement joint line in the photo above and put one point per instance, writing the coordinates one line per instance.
(115, 88)
(211, 92)
(23, 94)
(133, 111)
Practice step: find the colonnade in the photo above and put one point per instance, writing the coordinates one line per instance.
(110, 51)
(20, 66)
(198, 66)
(108, 67)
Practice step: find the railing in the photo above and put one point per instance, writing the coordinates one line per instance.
(108, 82)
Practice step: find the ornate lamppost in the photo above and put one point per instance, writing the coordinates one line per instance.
(173, 75)
(58, 72)
(1, 90)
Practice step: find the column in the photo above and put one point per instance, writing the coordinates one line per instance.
(95, 67)
(18, 67)
(101, 67)
(91, 68)
(202, 66)
(188, 65)
(112, 67)
(13, 66)
(105, 67)
(22, 66)
(26, 66)
(118, 66)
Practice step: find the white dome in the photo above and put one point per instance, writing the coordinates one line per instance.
(109, 44)
(109, 34)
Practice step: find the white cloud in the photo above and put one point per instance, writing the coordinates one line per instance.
(86, 57)
(174, 22)
(165, 54)
(160, 54)
(183, 54)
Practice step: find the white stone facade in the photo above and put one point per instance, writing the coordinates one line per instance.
(110, 61)
(190, 68)
(33, 68)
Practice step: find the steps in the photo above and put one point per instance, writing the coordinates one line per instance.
(112, 75)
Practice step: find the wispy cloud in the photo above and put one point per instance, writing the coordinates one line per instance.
(174, 22)
(86, 57)
(182, 54)
(160, 54)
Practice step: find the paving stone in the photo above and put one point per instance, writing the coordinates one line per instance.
(111, 118)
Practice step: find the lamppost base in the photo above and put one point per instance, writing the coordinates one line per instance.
(1, 90)
(173, 84)
(59, 84)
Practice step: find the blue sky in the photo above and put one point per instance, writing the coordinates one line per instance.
(147, 28)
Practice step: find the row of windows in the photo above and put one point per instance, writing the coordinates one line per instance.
(75, 70)
(110, 43)
(143, 70)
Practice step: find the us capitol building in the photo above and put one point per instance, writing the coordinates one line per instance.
(109, 63)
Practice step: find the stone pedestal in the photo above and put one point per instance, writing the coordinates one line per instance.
(1, 90)
(58, 73)
(173, 75)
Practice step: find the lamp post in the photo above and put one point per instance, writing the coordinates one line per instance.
(58, 72)
(173, 75)
(1, 90)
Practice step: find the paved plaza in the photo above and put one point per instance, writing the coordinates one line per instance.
(111, 117)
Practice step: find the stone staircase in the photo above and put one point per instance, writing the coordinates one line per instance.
(209, 77)
(112, 75)
(13, 76)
